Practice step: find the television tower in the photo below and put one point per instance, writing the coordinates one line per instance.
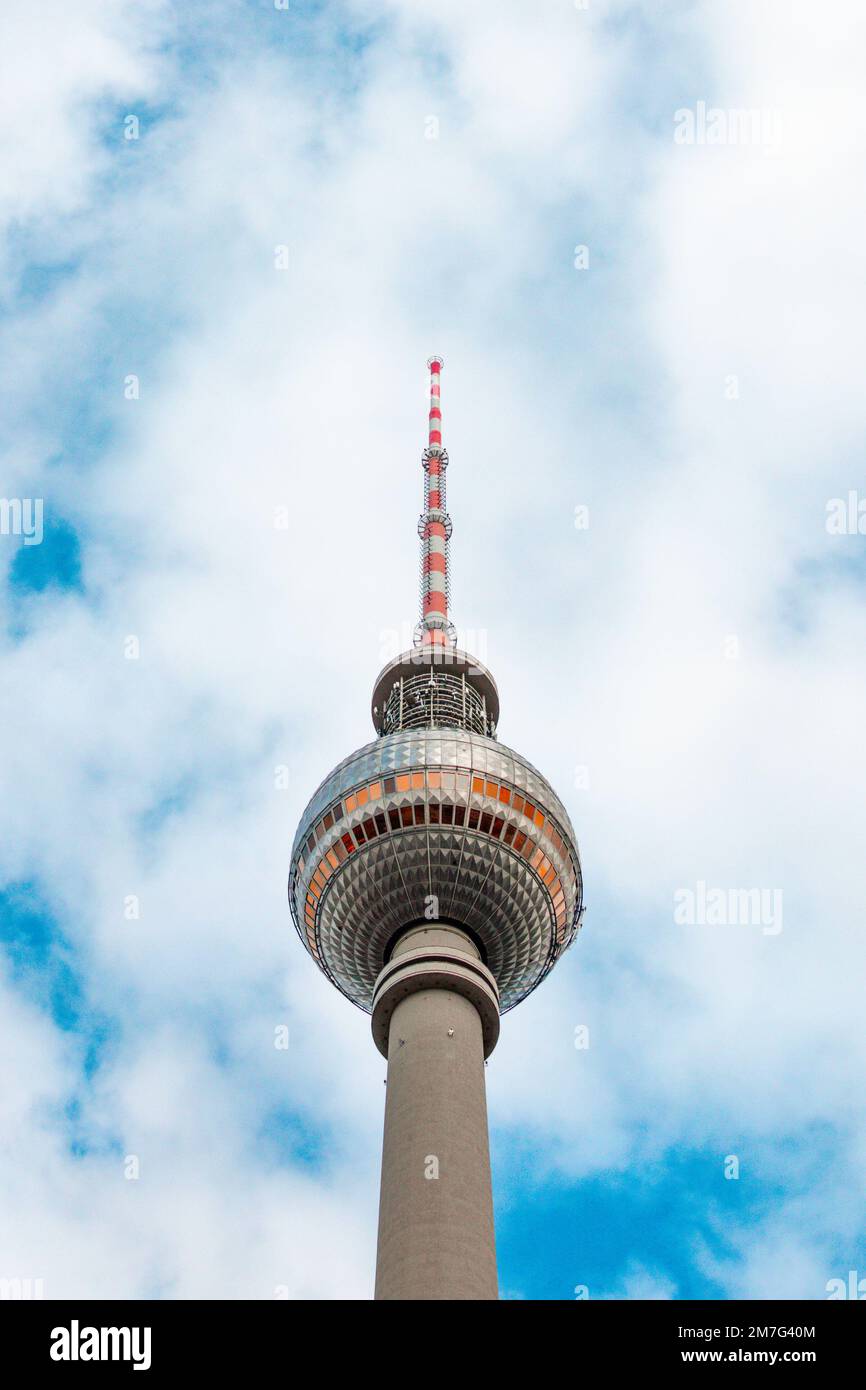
(435, 879)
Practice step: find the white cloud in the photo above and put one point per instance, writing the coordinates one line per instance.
(58, 64)
(259, 646)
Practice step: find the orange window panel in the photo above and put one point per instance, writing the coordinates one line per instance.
(403, 782)
(536, 859)
(351, 803)
(519, 841)
(375, 791)
(418, 781)
(434, 779)
(549, 875)
(491, 789)
(362, 796)
(332, 859)
(316, 890)
(504, 795)
(517, 803)
(478, 785)
(528, 809)
(528, 849)
(539, 819)
(340, 851)
(325, 870)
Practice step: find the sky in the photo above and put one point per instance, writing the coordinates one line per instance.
(231, 235)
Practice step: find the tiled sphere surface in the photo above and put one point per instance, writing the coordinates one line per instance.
(428, 823)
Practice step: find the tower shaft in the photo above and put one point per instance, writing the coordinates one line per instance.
(438, 1005)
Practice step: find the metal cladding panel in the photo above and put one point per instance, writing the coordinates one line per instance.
(444, 814)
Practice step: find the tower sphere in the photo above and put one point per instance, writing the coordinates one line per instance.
(435, 821)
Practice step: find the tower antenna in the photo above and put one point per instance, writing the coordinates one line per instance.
(434, 528)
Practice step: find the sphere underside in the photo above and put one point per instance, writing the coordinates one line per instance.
(435, 823)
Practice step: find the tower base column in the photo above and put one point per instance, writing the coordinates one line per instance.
(436, 1018)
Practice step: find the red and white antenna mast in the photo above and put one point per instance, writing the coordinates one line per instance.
(434, 528)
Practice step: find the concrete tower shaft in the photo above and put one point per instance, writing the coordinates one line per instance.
(436, 1016)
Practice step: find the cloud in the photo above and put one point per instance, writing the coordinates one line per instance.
(302, 388)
